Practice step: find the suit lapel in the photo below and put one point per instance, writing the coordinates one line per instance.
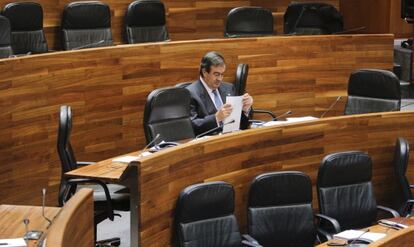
(205, 98)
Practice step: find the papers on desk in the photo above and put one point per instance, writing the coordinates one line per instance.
(289, 120)
(360, 235)
(13, 242)
(237, 103)
(125, 159)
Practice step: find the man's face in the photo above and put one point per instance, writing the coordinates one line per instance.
(215, 77)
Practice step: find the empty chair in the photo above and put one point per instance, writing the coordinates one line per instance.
(248, 22)
(86, 25)
(26, 20)
(107, 197)
(167, 113)
(280, 210)
(5, 40)
(345, 191)
(204, 217)
(312, 18)
(372, 90)
(145, 22)
(403, 198)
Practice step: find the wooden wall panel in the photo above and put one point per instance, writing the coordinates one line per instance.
(107, 89)
(186, 19)
(238, 157)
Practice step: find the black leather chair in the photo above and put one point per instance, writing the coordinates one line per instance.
(5, 40)
(312, 18)
(345, 191)
(249, 22)
(403, 198)
(86, 25)
(26, 20)
(183, 84)
(372, 90)
(167, 113)
(280, 210)
(107, 197)
(204, 217)
(145, 22)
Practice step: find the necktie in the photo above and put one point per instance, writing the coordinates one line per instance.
(217, 100)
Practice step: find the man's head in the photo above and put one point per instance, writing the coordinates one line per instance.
(212, 69)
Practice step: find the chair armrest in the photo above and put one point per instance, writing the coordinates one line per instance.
(84, 163)
(333, 222)
(274, 118)
(250, 241)
(109, 207)
(411, 186)
(388, 210)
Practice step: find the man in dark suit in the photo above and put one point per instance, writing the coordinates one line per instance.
(208, 94)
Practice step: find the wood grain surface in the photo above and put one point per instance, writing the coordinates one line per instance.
(186, 19)
(238, 157)
(74, 225)
(107, 90)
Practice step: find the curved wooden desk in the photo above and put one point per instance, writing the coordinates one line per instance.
(107, 89)
(238, 157)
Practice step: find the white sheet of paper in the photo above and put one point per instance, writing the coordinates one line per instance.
(13, 242)
(237, 103)
(125, 159)
(289, 120)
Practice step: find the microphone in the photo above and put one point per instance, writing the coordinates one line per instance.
(157, 136)
(43, 206)
(91, 45)
(283, 115)
(408, 104)
(214, 129)
(354, 242)
(331, 106)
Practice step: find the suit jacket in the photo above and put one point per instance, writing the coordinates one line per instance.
(203, 109)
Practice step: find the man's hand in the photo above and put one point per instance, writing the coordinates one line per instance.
(247, 102)
(224, 112)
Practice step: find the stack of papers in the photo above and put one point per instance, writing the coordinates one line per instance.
(125, 159)
(360, 235)
(13, 242)
(289, 120)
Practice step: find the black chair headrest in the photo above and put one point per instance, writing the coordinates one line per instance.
(374, 83)
(86, 15)
(24, 16)
(205, 201)
(144, 13)
(401, 156)
(168, 103)
(4, 31)
(345, 168)
(249, 20)
(280, 188)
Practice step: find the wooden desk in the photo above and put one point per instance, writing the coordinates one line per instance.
(400, 238)
(238, 157)
(107, 89)
(11, 218)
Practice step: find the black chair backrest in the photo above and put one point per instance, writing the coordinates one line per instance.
(167, 112)
(65, 152)
(5, 40)
(26, 20)
(372, 90)
(204, 216)
(403, 192)
(86, 25)
(312, 18)
(280, 210)
(249, 22)
(345, 190)
(145, 22)
(242, 72)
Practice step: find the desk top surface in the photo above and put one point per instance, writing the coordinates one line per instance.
(12, 216)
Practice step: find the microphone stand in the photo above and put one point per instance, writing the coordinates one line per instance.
(214, 129)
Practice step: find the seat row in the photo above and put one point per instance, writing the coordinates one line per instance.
(84, 25)
(88, 24)
(279, 205)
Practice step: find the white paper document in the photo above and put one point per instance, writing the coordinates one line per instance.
(289, 120)
(358, 234)
(13, 242)
(125, 159)
(237, 103)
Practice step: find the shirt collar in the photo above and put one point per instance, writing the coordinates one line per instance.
(209, 90)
